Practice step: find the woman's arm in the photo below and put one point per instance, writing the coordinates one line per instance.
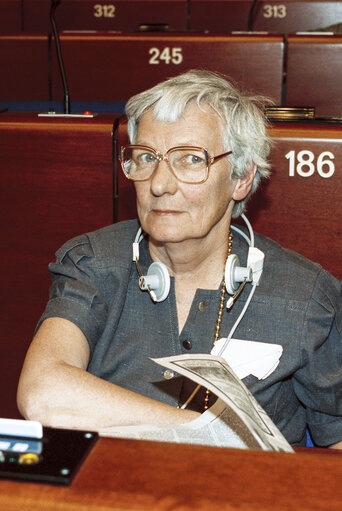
(338, 445)
(56, 389)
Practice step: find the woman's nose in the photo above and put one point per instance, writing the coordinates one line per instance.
(162, 180)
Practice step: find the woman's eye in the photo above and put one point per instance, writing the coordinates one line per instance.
(147, 158)
(193, 159)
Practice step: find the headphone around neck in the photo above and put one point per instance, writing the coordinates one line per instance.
(157, 280)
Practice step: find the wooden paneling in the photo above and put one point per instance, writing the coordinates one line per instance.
(300, 205)
(122, 15)
(56, 182)
(128, 475)
(219, 15)
(284, 16)
(10, 16)
(291, 16)
(314, 73)
(24, 68)
(287, 16)
(108, 67)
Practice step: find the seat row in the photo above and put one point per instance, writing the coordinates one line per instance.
(107, 68)
(61, 177)
(196, 15)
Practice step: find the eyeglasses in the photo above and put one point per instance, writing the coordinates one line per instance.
(188, 164)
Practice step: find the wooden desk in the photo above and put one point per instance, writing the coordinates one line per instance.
(284, 16)
(314, 72)
(56, 182)
(113, 67)
(287, 16)
(123, 15)
(128, 475)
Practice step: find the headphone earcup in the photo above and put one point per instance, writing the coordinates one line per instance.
(157, 280)
(229, 273)
(235, 274)
(163, 288)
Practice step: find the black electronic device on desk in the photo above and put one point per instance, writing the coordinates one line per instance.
(31, 453)
(300, 114)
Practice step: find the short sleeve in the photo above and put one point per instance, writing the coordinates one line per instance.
(76, 293)
(318, 383)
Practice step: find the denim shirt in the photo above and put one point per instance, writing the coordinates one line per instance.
(297, 305)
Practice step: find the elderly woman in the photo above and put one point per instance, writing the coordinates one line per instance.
(199, 149)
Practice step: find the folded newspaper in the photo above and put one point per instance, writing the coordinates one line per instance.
(235, 420)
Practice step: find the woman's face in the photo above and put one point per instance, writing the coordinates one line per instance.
(172, 211)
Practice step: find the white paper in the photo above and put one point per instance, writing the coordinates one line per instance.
(235, 420)
(249, 357)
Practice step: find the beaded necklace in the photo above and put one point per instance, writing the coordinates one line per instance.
(217, 329)
(219, 314)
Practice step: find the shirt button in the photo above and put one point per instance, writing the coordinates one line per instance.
(187, 344)
(168, 374)
(203, 306)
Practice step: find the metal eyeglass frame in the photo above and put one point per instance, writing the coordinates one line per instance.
(164, 157)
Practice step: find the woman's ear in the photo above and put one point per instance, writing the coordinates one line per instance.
(244, 185)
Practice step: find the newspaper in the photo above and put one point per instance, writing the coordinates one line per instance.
(235, 420)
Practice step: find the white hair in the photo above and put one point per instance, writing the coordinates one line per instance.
(245, 123)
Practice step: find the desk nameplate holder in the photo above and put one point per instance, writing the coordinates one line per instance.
(31, 453)
(52, 115)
